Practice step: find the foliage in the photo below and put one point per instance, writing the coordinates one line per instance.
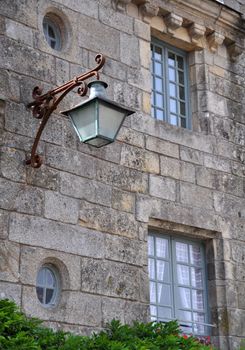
(20, 332)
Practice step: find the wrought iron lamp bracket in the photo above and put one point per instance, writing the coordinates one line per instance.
(43, 106)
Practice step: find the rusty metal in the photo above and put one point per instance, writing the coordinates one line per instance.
(43, 105)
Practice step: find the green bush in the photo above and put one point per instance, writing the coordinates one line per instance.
(18, 332)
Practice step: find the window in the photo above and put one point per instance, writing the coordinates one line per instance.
(47, 286)
(177, 282)
(52, 33)
(169, 85)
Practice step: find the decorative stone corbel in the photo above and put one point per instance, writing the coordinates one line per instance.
(120, 4)
(214, 40)
(196, 32)
(148, 11)
(173, 22)
(234, 51)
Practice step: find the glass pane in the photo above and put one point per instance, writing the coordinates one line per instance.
(182, 108)
(197, 299)
(110, 120)
(173, 119)
(49, 295)
(51, 32)
(164, 295)
(159, 100)
(173, 105)
(150, 245)
(41, 277)
(164, 312)
(195, 255)
(171, 74)
(40, 293)
(181, 77)
(196, 277)
(172, 90)
(158, 84)
(183, 276)
(162, 247)
(153, 310)
(160, 114)
(151, 268)
(171, 59)
(198, 328)
(181, 92)
(158, 53)
(181, 252)
(180, 61)
(50, 281)
(184, 317)
(153, 298)
(162, 271)
(85, 126)
(183, 122)
(184, 298)
(158, 69)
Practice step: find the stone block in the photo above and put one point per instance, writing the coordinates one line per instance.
(108, 220)
(236, 322)
(140, 77)
(116, 20)
(136, 312)
(19, 32)
(62, 71)
(43, 177)
(196, 196)
(163, 147)
(12, 164)
(18, 11)
(170, 167)
(131, 136)
(123, 249)
(10, 85)
(111, 152)
(114, 69)
(51, 234)
(4, 220)
(217, 163)
(238, 252)
(122, 177)
(122, 200)
(32, 62)
(106, 39)
(9, 261)
(191, 155)
(73, 307)
(90, 190)
(68, 160)
(67, 265)
(162, 187)
(87, 7)
(112, 309)
(139, 159)
(61, 208)
(142, 30)
(187, 172)
(10, 291)
(110, 278)
(129, 50)
(229, 205)
(127, 96)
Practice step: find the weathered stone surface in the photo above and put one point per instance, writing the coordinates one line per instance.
(170, 167)
(116, 20)
(19, 32)
(54, 235)
(123, 249)
(10, 291)
(61, 208)
(110, 278)
(112, 309)
(142, 30)
(229, 205)
(160, 146)
(139, 159)
(4, 219)
(122, 200)
(140, 78)
(131, 136)
(108, 220)
(67, 265)
(162, 187)
(73, 307)
(136, 312)
(128, 97)
(129, 50)
(9, 261)
(43, 177)
(196, 196)
(88, 8)
(78, 187)
(190, 155)
(12, 164)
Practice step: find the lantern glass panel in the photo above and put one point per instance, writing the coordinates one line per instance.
(110, 120)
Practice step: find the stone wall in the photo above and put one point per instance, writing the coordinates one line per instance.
(87, 210)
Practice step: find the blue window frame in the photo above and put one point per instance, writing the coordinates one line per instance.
(178, 282)
(170, 100)
(52, 33)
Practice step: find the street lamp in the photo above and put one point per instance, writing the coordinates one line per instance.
(96, 120)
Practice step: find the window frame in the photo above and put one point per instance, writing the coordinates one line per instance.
(49, 22)
(56, 289)
(165, 76)
(172, 239)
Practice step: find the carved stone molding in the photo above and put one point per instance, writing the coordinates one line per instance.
(173, 22)
(234, 51)
(120, 4)
(196, 32)
(214, 40)
(148, 11)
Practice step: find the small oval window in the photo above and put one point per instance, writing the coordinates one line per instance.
(52, 33)
(47, 286)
